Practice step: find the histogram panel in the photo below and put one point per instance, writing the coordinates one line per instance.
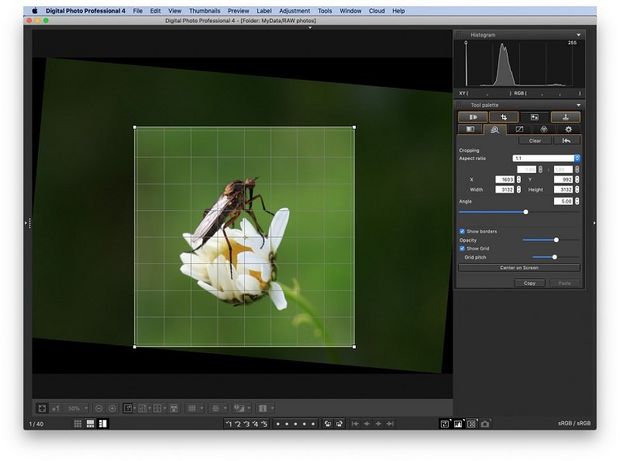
(520, 63)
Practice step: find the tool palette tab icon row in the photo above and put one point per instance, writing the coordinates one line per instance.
(509, 116)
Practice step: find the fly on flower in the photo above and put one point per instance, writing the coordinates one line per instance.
(237, 197)
(253, 260)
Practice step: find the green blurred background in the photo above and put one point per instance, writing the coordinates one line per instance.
(180, 171)
(83, 211)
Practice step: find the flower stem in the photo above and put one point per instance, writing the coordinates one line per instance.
(294, 293)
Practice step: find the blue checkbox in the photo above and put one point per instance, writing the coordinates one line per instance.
(462, 231)
(462, 248)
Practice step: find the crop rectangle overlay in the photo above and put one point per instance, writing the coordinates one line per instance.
(181, 171)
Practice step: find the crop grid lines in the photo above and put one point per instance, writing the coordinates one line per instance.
(180, 171)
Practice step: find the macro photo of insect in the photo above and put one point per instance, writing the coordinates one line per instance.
(270, 217)
(244, 236)
(237, 265)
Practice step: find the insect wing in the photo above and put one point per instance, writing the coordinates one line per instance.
(210, 220)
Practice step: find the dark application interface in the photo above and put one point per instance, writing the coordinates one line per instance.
(309, 218)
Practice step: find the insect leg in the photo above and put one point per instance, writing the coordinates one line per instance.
(229, 250)
(259, 196)
(251, 191)
(250, 212)
(228, 223)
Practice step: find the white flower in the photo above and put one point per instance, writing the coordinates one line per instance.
(253, 263)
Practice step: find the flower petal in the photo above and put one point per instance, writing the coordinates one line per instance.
(190, 258)
(252, 238)
(247, 284)
(223, 295)
(250, 261)
(187, 269)
(277, 296)
(223, 281)
(277, 228)
(249, 257)
(213, 278)
(248, 229)
(188, 238)
(258, 244)
(197, 272)
(232, 233)
(265, 273)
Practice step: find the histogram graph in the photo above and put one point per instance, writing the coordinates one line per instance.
(520, 63)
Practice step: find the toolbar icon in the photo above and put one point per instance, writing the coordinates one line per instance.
(485, 423)
(265, 407)
(471, 423)
(241, 408)
(191, 408)
(42, 407)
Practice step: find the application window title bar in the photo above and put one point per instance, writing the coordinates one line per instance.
(310, 11)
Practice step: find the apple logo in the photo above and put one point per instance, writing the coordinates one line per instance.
(34, 11)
